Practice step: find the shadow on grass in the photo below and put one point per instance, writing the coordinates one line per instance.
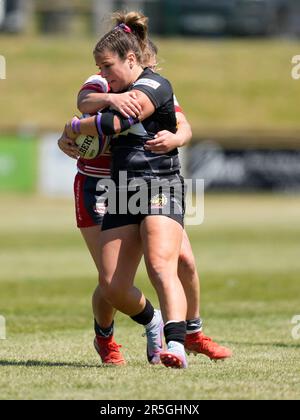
(45, 363)
(279, 345)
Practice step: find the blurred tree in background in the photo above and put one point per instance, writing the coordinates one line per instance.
(167, 17)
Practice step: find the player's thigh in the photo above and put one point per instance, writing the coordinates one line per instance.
(91, 236)
(162, 239)
(120, 255)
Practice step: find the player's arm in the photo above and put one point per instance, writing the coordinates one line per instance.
(109, 123)
(90, 102)
(184, 132)
(165, 141)
(95, 96)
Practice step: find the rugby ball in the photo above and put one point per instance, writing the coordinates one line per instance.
(91, 147)
(88, 146)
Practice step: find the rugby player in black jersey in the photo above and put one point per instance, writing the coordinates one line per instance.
(156, 97)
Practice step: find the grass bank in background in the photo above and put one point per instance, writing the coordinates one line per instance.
(235, 84)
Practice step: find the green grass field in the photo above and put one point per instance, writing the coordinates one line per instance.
(231, 84)
(248, 257)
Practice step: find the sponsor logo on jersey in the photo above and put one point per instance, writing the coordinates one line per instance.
(147, 82)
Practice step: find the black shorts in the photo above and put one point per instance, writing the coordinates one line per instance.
(142, 197)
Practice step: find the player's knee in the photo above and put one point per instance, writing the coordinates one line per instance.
(186, 263)
(159, 271)
(110, 292)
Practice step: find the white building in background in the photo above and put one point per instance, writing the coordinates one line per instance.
(56, 171)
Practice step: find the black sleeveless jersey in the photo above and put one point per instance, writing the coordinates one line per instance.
(128, 153)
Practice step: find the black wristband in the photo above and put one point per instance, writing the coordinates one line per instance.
(105, 123)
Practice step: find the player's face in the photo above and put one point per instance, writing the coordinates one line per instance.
(116, 71)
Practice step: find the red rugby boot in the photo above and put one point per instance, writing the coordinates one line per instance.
(109, 351)
(199, 343)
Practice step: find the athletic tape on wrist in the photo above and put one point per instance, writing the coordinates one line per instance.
(76, 126)
(98, 119)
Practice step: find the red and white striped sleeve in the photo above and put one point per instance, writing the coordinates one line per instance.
(177, 106)
(95, 83)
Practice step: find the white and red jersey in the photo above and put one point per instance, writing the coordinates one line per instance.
(100, 166)
(177, 106)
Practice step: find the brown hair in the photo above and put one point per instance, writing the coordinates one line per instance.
(150, 53)
(130, 34)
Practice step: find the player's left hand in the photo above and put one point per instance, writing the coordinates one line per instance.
(164, 142)
(68, 146)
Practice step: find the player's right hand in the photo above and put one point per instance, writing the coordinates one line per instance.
(68, 146)
(126, 103)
